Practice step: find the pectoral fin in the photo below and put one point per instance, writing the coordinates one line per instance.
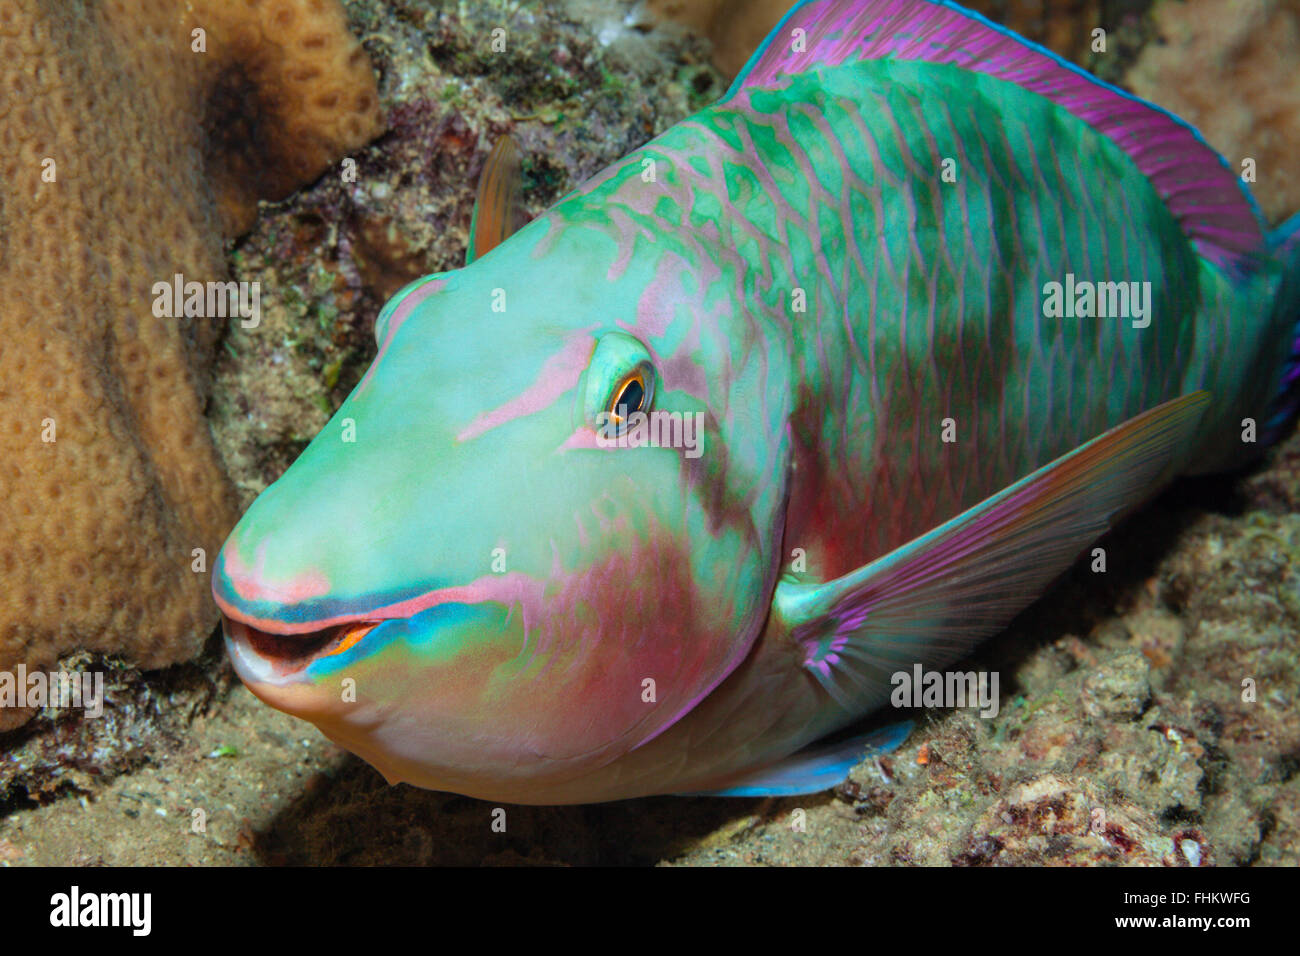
(934, 599)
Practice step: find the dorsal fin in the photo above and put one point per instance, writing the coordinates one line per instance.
(1208, 199)
(499, 207)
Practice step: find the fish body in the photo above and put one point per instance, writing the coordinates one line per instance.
(858, 301)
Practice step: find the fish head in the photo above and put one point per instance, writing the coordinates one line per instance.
(479, 576)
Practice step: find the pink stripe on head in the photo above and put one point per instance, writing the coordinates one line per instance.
(399, 316)
(250, 583)
(560, 374)
(583, 437)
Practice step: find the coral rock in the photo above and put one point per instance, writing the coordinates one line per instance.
(288, 92)
(123, 152)
(737, 27)
(1229, 68)
(1120, 689)
(1052, 820)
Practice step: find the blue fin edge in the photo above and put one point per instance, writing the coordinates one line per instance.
(815, 768)
(1285, 244)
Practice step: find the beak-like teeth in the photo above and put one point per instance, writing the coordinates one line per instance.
(277, 656)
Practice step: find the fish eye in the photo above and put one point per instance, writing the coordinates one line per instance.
(618, 383)
(632, 394)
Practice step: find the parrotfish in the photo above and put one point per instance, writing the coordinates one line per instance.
(827, 381)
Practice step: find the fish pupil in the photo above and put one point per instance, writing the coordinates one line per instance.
(630, 399)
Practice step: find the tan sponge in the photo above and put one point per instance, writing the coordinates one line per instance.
(133, 135)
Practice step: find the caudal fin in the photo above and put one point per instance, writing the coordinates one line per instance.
(1284, 243)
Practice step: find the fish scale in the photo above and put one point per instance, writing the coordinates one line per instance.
(523, 609)
(924, 372)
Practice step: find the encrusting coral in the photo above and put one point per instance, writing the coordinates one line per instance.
(133, 134)
(737, 27)
(1229, 68)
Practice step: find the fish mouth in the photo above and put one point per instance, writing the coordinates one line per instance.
(271, 657)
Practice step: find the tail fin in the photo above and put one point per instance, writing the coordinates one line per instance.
(1284, 243)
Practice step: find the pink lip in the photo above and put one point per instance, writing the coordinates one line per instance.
(510, 589)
